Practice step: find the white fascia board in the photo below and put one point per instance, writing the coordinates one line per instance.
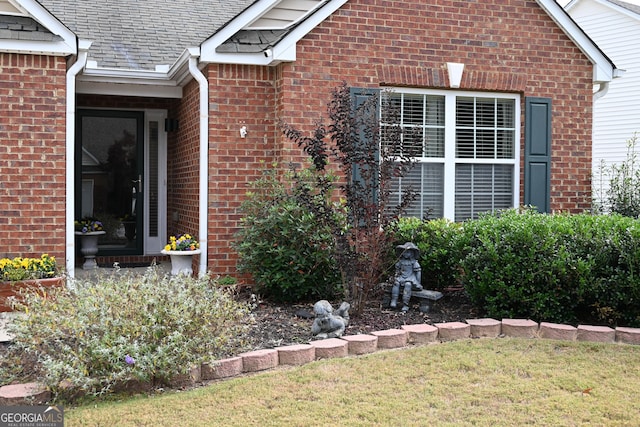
(179, 70)
(128, 89)
(279, 54)
(165, 82)
(109, 81)
(283, 51)
(603, 68)
(37, 47)
(68, 45)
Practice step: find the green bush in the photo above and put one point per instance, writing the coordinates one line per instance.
(282, 245)
(441, 243)
(557, 268)
(518, 265)
(612, 243)
(123, 327)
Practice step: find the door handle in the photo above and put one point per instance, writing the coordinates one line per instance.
(138, 182)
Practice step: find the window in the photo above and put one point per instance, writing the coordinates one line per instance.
(465, 145)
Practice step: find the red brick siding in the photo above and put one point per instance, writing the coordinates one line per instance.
(238, 96)
(510, 47)
(32, 155)
(183, 160)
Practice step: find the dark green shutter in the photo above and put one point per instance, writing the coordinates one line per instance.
(537, 157)
(358, 97)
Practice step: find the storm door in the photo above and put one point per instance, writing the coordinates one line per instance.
(109, 185)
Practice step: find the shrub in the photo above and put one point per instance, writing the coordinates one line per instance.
(518, 265)
(283, 245)
(623, 193)
(557, 268)
(368, 145)
(612, 244)
(123, 327)
(441, 243)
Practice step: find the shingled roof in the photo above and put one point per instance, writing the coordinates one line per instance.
(140, 34)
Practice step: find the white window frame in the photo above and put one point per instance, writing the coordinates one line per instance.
(449, 160)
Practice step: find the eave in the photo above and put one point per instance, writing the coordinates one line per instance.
(604, 70)
(283, 51)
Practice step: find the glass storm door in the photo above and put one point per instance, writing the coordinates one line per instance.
(109, 186)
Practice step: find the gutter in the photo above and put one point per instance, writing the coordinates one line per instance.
(203, 84)
(603, 88)
(602, 91)
(72, 72)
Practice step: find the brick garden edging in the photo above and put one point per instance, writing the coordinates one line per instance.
(408, 335)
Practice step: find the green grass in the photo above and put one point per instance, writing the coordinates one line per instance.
(490, 382)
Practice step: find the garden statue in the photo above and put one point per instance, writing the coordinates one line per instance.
(327, 324)
(408, 275)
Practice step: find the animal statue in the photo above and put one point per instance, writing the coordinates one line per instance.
(327, 324)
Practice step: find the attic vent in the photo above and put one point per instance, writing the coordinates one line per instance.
(284, 14)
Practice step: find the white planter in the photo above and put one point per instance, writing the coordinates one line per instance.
(181, 261)
(89, 248)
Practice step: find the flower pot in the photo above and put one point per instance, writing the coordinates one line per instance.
(181, 261)
(10, 289)
(89, 248)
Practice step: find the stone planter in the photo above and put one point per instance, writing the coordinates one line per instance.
(181, 261)
(89, 248)
(9, 289)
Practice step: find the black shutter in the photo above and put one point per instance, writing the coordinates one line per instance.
(537, 157)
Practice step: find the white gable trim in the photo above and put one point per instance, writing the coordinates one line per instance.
(284, 51)
(33, 9)
(603, 69)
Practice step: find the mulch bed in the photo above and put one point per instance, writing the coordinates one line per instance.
(286, 324)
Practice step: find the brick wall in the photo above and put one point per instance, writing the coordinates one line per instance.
(32, 155)
(238, 96)
(511, 47)
(505, 46)
(183, 160)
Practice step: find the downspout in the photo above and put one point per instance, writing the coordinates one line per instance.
(204, 158)
(602, 91)
(72, 72)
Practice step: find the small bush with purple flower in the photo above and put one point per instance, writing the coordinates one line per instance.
(88, 225)
(103, 333)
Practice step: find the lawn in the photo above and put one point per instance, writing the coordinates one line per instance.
(488, 382)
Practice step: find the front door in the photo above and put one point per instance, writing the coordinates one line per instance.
(119, 178)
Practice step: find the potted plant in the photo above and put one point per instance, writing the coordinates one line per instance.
(19, 273)
(129, 223)
(89, 230)
(181, 250)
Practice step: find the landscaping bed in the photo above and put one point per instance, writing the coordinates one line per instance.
(285, 324)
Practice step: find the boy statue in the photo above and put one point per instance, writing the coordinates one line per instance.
(408, 275)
